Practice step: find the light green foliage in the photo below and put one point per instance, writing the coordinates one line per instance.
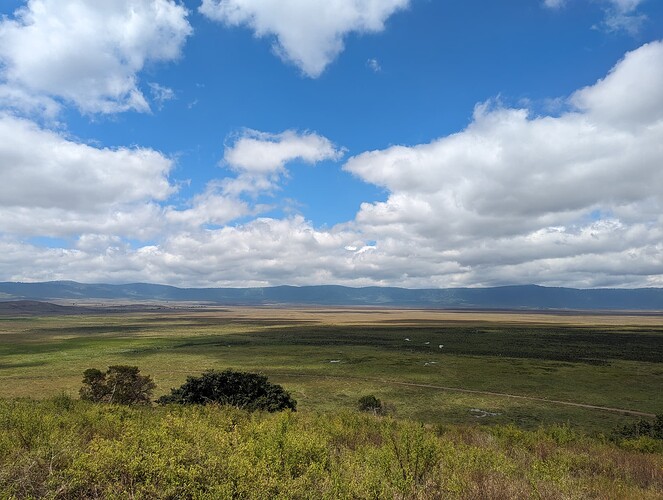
(62, 448)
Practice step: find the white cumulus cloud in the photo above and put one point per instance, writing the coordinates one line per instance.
(261, 153)
(520, 198)
(631, 93)
(56, 186)
(259, 158)
(87, 53)
(308, 33)
(574, 199)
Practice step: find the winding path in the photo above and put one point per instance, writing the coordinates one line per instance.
(622, 411)
(529, 398)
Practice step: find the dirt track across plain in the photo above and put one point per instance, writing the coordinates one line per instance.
(588, 406)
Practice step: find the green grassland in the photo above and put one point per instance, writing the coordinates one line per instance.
(328, 361)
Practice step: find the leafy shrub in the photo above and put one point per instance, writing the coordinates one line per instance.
(245, 390)
(642, 444)
(641, 428)
(371, 404)
(68, 449)
(120, 384)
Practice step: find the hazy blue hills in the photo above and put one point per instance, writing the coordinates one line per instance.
(504, 297)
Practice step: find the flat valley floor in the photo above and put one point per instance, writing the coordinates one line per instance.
(591, 371)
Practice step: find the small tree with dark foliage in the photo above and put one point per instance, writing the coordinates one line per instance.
(120, 384)
(371, 404)
(245, 390)
(94, 385)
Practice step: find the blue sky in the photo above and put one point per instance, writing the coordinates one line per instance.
(398, 142)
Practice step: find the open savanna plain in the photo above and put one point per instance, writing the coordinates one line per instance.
(480, 405)
(527, 369)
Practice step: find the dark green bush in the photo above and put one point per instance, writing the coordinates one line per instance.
(641, 428)
(120, 384)
(245, 390)
(371, 404)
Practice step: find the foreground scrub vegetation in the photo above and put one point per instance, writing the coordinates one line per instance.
(65, 448)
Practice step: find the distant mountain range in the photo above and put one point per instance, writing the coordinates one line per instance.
(503, 297)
